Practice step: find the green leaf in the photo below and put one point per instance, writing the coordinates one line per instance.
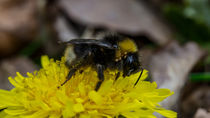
(199, 77)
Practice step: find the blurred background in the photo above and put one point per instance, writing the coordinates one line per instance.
(173, 38)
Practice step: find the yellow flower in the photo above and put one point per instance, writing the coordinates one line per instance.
(38, 95)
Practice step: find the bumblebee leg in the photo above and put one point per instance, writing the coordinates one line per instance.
(100, 71)
(2, 109)
(117, 76)
(70, 74)
(139, 76)
(73, 68)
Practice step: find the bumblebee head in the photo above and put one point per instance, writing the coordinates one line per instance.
(131, 64)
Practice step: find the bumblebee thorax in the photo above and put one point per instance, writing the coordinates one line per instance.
(124, 47)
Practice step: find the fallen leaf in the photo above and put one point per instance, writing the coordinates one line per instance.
(9, 67)
(18, 23)
(202, 113)
(197, 98)
(65, 32)
(128, 16)
(170, 67)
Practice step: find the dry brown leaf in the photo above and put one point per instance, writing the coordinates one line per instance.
(170, 67)
(128, 16)
(18, 23)
(64, 32)
(9, 67)
(192, 101)
(202, 113)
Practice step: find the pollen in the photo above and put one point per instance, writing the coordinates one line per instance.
(128, 45)
(37, 96)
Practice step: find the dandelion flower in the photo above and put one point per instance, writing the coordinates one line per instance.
(38, 95)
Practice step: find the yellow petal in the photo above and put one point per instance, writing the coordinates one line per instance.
(68, 111)
(78, 108)
(38, 114)
(167, 113)
(94, 96)
(3, 114)
(15, 111)
(45, 61)
(105, 87)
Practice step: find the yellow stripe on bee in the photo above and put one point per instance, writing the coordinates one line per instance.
(125, 47)
(69, 54)
(128, 45)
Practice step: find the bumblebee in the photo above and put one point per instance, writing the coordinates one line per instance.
(111, 51)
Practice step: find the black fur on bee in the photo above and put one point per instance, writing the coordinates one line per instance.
(112, 51)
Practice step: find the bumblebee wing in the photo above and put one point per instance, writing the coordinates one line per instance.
(100, 43)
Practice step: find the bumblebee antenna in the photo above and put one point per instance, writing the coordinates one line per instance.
(139, 76)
